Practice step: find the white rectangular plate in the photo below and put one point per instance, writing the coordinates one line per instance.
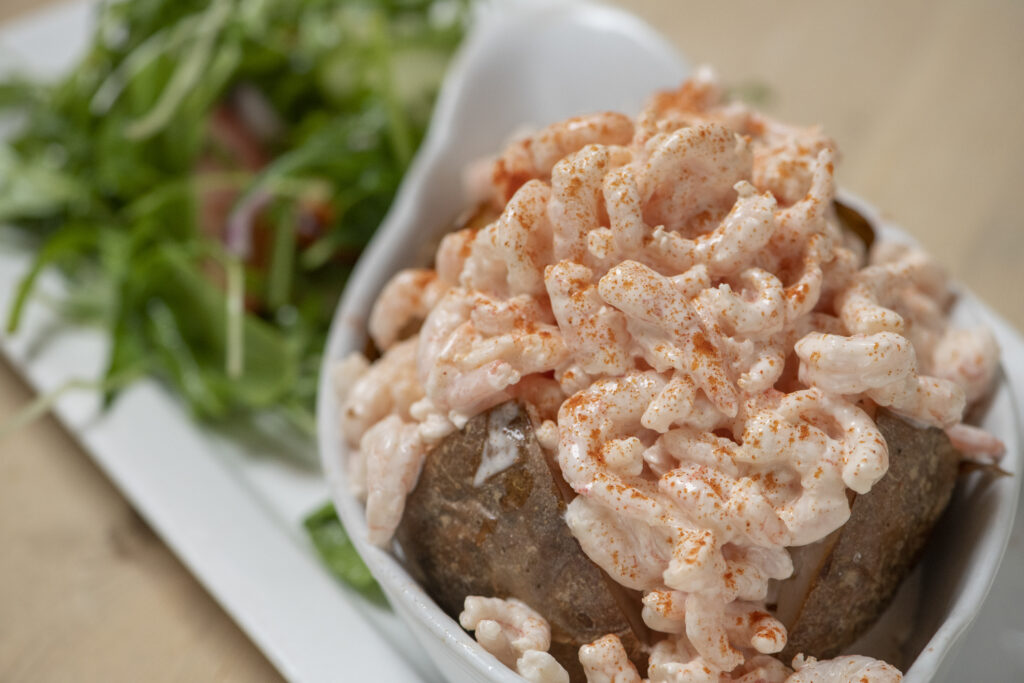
(232, 509)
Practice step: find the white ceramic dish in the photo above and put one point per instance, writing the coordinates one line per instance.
(532, 63)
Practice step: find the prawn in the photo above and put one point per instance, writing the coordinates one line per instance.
(535, 155)
(691, 174)
(504, 256)
(405, 299)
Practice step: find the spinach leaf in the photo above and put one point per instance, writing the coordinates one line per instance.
(336, 550)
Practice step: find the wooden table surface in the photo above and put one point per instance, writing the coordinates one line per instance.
(925, 100)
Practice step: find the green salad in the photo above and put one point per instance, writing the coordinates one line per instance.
(206, 176)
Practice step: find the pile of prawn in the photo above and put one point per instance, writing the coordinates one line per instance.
(673, 300)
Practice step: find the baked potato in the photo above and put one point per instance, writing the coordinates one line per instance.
(505, 537)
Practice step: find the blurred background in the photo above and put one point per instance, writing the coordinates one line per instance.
(924, 100)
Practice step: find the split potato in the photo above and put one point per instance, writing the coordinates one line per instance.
(487, 518)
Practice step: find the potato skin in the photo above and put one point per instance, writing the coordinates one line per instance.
(507, 538)
(843, 583)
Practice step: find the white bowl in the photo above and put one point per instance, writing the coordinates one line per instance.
(532, 63)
